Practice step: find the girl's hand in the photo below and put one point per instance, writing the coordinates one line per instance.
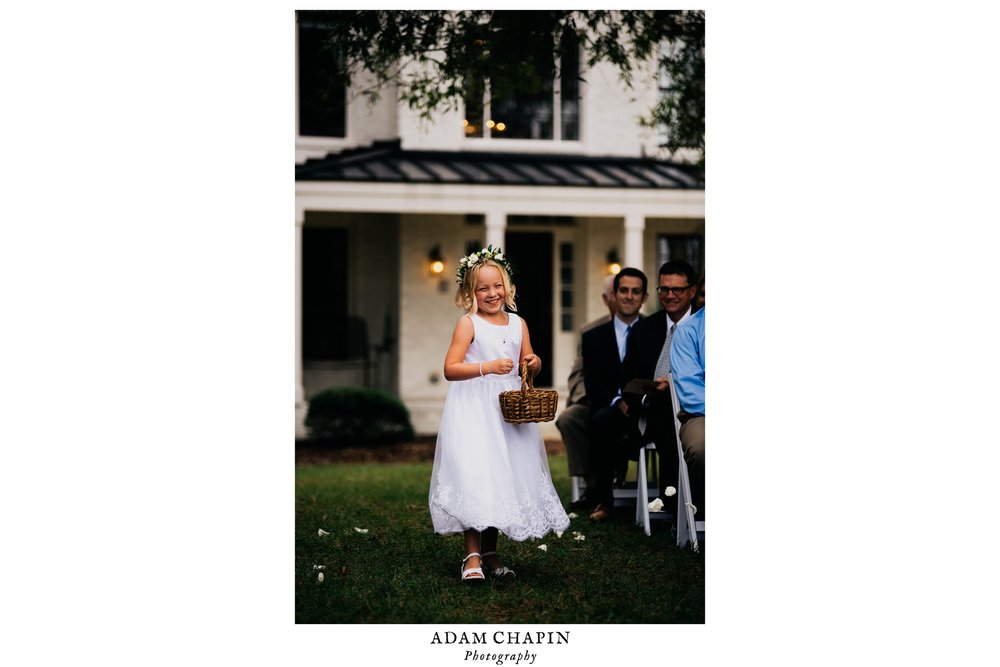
(499, 366)
(534, 363)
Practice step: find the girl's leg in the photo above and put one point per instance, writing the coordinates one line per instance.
(472, 539)
(489, 544)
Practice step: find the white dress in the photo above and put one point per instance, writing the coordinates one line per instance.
(488, 472)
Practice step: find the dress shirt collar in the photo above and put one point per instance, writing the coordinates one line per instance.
(680, 321)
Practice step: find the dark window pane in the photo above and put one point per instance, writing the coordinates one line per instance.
(566, 252)
(567, 322)
(567, 299)
(566, 275)
(523, 116)
(474, 109)
(569, 85)
(322, 92)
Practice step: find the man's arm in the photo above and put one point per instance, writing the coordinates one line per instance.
(687, 367)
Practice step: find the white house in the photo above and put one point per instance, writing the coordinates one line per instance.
(562, 184)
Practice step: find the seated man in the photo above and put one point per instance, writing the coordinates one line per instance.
(648, 358)
(603, 349)
(687, 367)
(574, 420)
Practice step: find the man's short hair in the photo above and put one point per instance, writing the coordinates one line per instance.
(634, 273)
(678, 267)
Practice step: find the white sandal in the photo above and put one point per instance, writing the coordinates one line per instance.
(499, 572)
(473, 573)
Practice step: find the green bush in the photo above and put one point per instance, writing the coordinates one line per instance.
(351, 416)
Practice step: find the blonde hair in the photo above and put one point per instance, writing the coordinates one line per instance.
(466, 295)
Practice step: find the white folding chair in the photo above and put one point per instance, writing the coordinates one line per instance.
(687, 527)
(576, 488)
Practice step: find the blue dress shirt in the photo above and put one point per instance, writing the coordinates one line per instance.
(687, 363)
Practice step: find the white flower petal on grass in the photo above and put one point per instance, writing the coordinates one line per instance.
(319, 567)
(322, 532)
(572, 515)
(320, 577)
(543, 547)
(656, 505)
(670, 491)
(360, 530)
(559, 533)
(580, 538)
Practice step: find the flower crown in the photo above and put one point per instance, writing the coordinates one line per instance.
(489, 252)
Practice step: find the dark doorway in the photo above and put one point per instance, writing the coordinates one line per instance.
(531, 255)
(324, 294)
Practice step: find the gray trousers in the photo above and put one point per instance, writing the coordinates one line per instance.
(693, 444)
(573, 423)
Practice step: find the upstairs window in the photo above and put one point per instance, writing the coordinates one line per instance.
(552, 113)
(322, 92)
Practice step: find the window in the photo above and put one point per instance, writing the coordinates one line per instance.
(566, 286)
(552, 113)
(689, 247)
(322, 91)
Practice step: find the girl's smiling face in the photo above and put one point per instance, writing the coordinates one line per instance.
(489, 290)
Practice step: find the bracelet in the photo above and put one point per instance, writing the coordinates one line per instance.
(480, 369)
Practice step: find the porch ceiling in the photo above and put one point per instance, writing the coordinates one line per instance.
(387, 162)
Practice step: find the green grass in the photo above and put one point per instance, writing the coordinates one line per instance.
(401, 572)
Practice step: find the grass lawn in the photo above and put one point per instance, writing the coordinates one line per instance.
(401, 572)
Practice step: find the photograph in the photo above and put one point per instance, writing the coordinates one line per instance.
(500, 306)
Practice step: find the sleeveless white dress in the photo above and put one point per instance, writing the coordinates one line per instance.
(488, 473)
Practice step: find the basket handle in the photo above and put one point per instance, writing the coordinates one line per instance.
(527, 382)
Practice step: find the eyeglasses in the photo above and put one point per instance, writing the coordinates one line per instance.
(676, 291)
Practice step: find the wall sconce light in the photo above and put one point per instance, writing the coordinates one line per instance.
(436, 261)
(614, 262)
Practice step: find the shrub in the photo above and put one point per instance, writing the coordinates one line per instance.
(351, 416)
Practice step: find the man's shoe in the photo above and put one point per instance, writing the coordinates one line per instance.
(582, 503)
(601, 513)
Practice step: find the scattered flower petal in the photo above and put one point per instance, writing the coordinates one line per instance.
(543, 547)
(319, 567)
(320, 577)
(669, 491)
(322, 532)
(580, 538)
(360, 530)
(656, 505)
(572, 515)
(559, 533)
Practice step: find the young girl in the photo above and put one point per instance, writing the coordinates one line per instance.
(489, 475)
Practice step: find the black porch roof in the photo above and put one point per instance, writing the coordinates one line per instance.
(388, 162)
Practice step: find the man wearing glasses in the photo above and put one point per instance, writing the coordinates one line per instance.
(648, 357)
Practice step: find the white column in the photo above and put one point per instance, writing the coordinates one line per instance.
(300, 392)
(635, 224)
(496, 228)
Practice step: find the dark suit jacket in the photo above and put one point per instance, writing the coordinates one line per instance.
(641, 355)
(602, 370)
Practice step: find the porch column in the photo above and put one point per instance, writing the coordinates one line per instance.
(300, 392)
(635, 224)
(496, 228)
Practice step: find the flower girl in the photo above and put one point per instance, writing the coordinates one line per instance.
(489, 475)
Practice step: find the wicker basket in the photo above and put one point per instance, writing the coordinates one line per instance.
(528, 404)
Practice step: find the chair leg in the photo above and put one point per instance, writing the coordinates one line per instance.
(642, 493)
